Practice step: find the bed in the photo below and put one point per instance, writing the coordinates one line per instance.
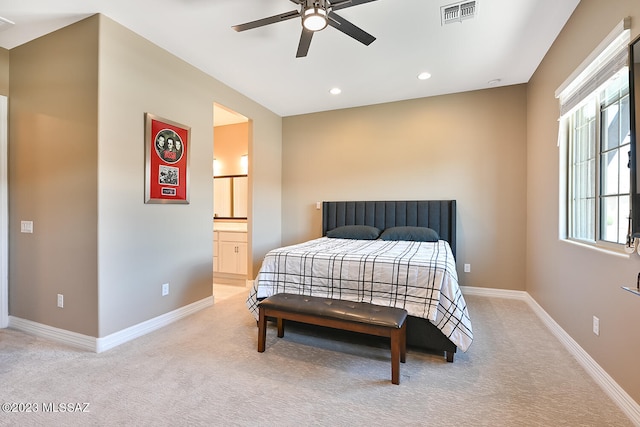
(383, 268)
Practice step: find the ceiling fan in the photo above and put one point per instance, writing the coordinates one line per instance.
(316, 15)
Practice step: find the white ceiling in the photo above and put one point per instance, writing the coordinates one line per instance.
(506, 40)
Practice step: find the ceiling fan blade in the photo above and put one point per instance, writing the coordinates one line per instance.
(341, 24)
(343, 4)
(305, 41)
(266, 21)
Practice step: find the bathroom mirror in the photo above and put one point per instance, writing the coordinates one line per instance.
(230, 197)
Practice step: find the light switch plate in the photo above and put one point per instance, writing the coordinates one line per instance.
(26, 226)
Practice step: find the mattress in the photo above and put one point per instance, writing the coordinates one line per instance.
(420, 277)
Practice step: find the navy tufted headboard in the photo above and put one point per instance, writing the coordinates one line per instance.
(439, 215)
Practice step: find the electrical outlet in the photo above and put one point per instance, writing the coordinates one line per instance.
(596, 325)
(60, 300)
(165, 289)
(467, 268)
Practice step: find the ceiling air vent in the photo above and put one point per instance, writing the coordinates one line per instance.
(458, 12)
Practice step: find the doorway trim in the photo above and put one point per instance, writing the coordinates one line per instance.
(4, 214)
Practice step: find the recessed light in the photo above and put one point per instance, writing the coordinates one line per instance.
(335, 91)
(424, 76)
(494, 82)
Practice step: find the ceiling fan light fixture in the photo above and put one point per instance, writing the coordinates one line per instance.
(315, 15)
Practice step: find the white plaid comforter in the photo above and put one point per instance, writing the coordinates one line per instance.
(420, 277)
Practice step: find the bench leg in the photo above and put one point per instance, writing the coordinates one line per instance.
(396, 344)
(280, 327)
(403, 343)
(262, 329)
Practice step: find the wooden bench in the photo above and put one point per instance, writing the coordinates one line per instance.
(346, 315)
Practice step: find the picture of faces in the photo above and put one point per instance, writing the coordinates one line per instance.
(168, 175)
(169, 146)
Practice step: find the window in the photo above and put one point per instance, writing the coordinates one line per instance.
(599, 179)
(595, 137)
(615, 179)
(582, 172)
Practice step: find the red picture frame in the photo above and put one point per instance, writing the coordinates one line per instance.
(167, 145)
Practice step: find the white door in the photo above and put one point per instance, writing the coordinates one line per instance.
(4, 214)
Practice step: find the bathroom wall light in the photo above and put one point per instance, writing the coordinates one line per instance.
(244, 164)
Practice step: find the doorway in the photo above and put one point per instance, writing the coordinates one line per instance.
(230, 196)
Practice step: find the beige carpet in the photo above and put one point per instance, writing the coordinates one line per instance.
(205, 370)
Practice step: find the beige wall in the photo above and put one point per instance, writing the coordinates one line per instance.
(265, 189)
(77, 170)
(53, 158)
(173, 243)
(574, 283)
(230, 143)
(469, 147)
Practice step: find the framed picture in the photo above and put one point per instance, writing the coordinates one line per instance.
(167, 145)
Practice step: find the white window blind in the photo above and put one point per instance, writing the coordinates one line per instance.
(602, 64)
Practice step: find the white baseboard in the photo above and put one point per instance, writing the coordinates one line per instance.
(494, 293)
(626, 403)
(99, 345)
(599, 375)
(133, 332)
(41, 330)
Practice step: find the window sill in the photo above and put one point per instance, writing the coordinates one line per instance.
(600, 248)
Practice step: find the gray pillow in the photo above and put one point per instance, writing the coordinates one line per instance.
(359, 232)
(416, 234)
